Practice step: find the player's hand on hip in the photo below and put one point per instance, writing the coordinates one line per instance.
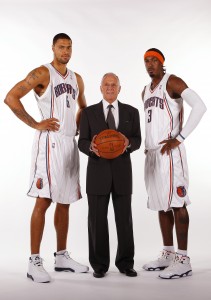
(126, 142)
(51, 124)
(169, 145)
(93, 146)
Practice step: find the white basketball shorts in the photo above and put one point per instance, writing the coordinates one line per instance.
(55, 168)
(166, 179)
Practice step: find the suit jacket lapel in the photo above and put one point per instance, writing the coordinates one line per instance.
(123, 116)
(100, 115)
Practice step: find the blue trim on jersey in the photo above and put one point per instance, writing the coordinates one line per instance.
(182, 136)
(172, 180)
(35, 169)
(171, 116)
(51, 114)
(47, 166)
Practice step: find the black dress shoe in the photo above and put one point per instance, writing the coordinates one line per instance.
(129, 272)
(99, 274)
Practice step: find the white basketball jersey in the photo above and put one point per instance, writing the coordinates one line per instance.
(163, 115)
(59, 100)
(166, 176)
(55, 157)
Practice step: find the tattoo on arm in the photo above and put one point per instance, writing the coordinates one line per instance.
(31, 77)
(25, 117)
(22, 88)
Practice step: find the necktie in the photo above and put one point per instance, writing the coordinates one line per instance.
(110, 118)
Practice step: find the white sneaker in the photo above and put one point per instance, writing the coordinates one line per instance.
(63, 262)
(180, 267)
(36, 272)
(162, 262)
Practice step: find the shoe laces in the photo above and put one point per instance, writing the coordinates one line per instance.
(179, 259)
(67, 255)
(164, 254)
(37, 261)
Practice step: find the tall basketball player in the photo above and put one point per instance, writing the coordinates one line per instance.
(55, 158)
(166, 172)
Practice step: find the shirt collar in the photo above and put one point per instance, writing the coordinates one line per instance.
(106, 103)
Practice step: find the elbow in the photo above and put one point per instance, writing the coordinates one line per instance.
(200, 109)
(8, 100)
(205, 109)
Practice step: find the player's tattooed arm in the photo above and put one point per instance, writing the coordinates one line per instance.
(35, 79)
(51, 124)
(32, 78)
(24, 116)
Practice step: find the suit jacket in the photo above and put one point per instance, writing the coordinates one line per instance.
(102, 174)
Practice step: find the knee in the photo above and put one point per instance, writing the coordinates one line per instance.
(63, 208)
(42, 205)
(182, 214)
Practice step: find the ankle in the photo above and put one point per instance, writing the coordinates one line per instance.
(182, 252)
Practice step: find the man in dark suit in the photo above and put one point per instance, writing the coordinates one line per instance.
(110, 176)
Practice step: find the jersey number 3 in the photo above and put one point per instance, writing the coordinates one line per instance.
(149, 116)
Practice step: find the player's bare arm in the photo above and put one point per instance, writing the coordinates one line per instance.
(38, 80)
(175, 86)
(81, 98)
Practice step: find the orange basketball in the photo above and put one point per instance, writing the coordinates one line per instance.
(110, 143)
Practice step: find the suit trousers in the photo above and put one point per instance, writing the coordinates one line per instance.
(99, 254)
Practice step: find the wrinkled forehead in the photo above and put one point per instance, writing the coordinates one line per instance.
(110, 78)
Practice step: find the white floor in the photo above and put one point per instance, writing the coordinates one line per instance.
(115, 286)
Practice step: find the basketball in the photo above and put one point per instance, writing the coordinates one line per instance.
(110, 143)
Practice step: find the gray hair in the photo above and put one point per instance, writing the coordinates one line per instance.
(110, 74)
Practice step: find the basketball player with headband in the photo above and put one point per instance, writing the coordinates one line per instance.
(166, 170)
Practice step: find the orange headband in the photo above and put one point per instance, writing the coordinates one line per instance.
(156, 54)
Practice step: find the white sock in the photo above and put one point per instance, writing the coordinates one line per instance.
(169, 248)
(61, 252)
(182, 252)
(34, 255)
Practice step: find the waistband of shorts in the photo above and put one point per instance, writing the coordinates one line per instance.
(57, 134)
(153, 149)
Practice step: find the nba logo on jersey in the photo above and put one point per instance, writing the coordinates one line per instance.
(181, 191)
(68, 103)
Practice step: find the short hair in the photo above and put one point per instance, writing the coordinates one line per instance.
(156, 50)
(108, 74)
(61, 36)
